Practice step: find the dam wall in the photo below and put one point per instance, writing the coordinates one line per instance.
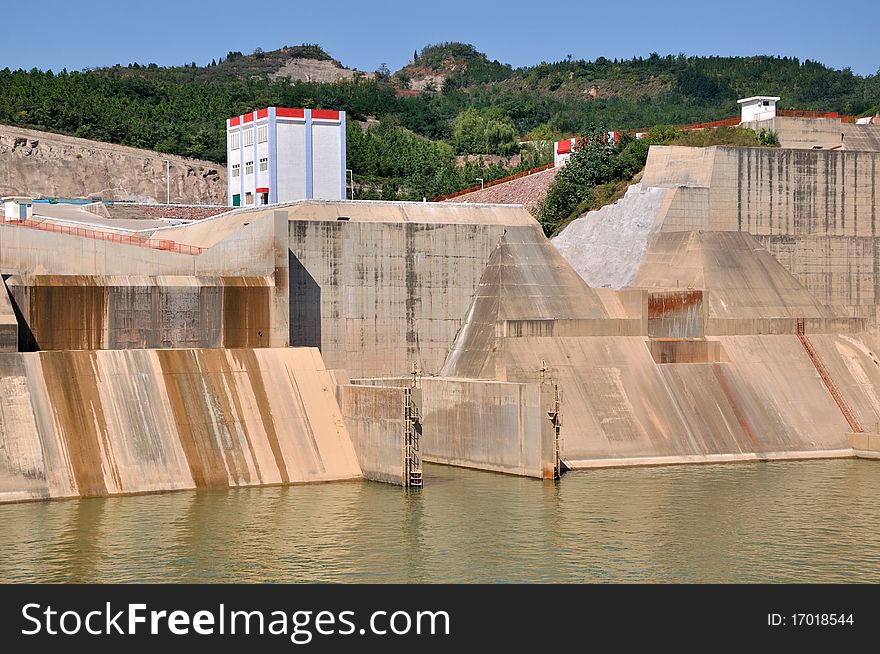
(106, 294)
(98, 423)
(379, 287)
(814, 210)
(8, 323)
(755, 397)
(480, 424)
(374, 417)
(81, 312)
(718, 372)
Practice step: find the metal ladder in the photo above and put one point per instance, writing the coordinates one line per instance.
(555, 416)
(412, 470)
(850, 417)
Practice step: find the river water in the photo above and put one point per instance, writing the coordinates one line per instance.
(815, 521)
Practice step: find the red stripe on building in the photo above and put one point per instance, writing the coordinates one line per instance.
(262, 189)
(233, 122)
(247, 118)
(262, 113)
(284, 112)
(563, 147)
(325, 114)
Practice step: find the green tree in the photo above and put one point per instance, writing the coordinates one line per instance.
(484, 132)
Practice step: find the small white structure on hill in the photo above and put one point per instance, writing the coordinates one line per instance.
(17, 208)
(758, 107)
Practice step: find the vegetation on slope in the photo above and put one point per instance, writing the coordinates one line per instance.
(392, 162)
(481, 107)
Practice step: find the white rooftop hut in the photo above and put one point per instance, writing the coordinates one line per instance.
(758, 107)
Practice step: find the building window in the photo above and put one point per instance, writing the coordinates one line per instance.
(234, 141)
(249, 168)
(248, 137)
(264, 164)
(262, 133)
(248, 198)
(236, 170)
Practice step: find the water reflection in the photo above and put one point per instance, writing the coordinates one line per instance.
(804, 521)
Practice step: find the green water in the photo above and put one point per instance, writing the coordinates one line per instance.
(800, 521)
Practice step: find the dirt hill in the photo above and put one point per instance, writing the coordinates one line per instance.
(314, 70)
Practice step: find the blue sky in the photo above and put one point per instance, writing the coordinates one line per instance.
(57, 34)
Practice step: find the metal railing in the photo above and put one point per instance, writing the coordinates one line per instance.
(848, 415)
(163, 244)
(724, 122)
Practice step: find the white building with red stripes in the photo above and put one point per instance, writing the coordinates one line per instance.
(280, 155)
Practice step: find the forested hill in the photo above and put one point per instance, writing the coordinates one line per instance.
(449, 100)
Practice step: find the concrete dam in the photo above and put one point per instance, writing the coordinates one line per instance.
(724, 310)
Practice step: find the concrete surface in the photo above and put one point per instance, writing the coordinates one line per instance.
(824, 133)
(374, 418)
(390, 286)
(486, 425)
(814, 210)
(8, 323)
(747, 290)
(527, 287)
(479, 424)
(81, 424)
(80, 312)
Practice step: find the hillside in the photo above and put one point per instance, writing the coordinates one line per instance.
(43, 164)
(459, 63)
(307, 62)
(182, 109)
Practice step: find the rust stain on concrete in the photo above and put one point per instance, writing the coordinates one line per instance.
(67, 317)
(73, 392)
(721, 375)
(248, 360)
(189, 399)
(246, 316)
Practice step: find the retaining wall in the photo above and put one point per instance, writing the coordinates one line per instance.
(81, 424)
(375, 421)
(244, 247)
(486, 425)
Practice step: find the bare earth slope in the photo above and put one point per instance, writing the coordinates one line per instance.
(313, 70)
(45, 164)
